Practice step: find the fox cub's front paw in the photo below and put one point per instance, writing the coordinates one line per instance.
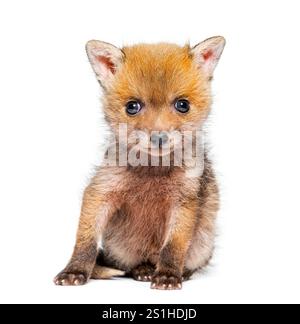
(166, 281)
(143, 272)
(70, 279)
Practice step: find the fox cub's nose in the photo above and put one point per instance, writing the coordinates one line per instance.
(159, 139)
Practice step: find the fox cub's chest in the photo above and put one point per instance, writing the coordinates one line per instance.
(150, 198)
(141, 224)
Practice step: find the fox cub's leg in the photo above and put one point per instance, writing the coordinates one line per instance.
(94, 215)
(169, 271)
(202, 247)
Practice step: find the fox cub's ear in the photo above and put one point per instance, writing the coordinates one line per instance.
(208, 53)
(105, 60)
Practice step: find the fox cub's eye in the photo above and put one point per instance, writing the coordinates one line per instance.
(182, 105)
(133, 107)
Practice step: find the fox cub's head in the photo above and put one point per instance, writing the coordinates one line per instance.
(156, 89)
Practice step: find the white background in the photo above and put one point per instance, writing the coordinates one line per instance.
(51, 135)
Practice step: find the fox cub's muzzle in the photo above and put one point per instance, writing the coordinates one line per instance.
(159, 139)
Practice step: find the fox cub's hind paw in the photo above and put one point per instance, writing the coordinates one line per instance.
(143, 272)
(70, 279)
(166, 281)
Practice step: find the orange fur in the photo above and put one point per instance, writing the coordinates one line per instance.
(147, 81)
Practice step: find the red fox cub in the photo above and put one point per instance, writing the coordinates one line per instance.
(149, 211)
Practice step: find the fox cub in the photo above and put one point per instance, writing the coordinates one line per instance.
(149, 212)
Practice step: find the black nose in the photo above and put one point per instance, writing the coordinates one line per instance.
(159, 139)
